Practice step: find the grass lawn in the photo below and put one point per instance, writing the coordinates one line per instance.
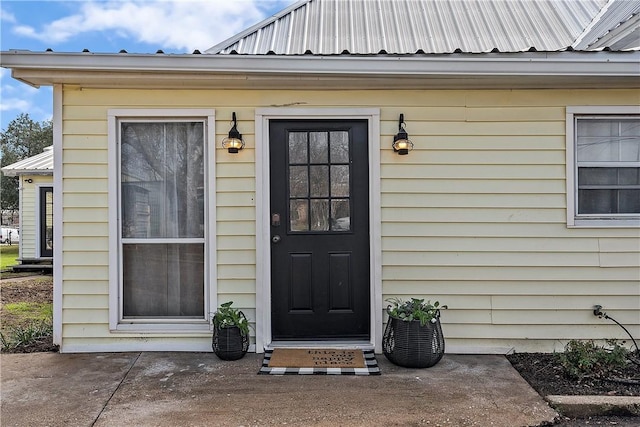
(8, 255)
(26, 312)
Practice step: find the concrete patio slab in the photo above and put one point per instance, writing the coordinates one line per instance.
(197, 389)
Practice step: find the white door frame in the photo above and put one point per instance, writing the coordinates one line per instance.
(38, 219)
(263, 233)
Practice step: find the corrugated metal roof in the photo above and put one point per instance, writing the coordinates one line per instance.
(40, 164)
(330, 27)
(616, 27)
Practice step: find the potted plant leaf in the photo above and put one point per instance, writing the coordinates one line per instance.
(413, 337)
(230, 333)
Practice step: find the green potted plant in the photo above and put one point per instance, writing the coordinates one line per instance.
(230, 332)
(413, 337)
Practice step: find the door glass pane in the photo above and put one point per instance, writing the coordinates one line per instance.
(298, 181)
(319, 215)
(318, 147)
(340, 215)
(319, 181)
(163, 280)
(319, 186)
(340, 181)
(299, 213)
(48, 220)
(339, 147)
(297, 147)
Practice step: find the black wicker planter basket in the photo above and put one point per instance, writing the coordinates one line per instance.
(229, 343)
(411, 345)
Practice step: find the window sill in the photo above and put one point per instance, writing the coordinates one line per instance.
(162, 328)
(604, 223)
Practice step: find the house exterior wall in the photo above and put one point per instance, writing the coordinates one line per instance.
(29, 213)
(474, 217)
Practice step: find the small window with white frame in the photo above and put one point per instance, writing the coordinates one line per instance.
(603, 166)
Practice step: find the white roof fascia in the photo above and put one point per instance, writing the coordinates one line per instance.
(18, 172)
(490, 64)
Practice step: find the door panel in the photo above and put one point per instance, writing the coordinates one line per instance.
(320, 229)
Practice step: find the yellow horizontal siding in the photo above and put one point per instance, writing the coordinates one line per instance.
(86, 287)
(86, 316)
(621, 259)
(578, 316)
(85, 156)
(496, 244)
(533, 201)
(82, 199)
(484, 259)
(474, 157)
(86, 185)
(474, 216)
(235, 242)
(532, 331)
(432, 288)
(492, 230)
(86, 229)
(484, 273)
(468, 186)
(237, 286)
(90, 258)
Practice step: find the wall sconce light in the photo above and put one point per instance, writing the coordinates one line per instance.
(401, 143)
(234, 141)
(29, 180)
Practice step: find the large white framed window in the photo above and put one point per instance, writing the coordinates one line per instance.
(161, 220)
(603, 166)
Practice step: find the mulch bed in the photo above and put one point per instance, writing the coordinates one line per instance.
(547, 376)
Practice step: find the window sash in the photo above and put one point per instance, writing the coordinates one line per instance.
(169, 238)
(616, 139)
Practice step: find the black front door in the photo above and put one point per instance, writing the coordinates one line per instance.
(319, 229)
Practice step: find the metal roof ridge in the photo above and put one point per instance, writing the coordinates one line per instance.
(592, 24)
(260, 25)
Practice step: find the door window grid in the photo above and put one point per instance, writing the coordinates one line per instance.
(319, 181)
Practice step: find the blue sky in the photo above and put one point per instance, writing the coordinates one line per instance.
(138, 26)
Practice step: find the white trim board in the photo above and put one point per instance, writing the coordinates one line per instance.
(573, 221)
(263, 245)
(115, 279)
(57, 215)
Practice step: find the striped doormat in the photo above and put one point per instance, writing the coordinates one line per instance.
(319, 361)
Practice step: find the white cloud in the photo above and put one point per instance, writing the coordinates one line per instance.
(18, 104)
(6, 16)
(186, 25)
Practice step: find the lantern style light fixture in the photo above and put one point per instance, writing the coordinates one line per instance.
(401, 142)
(234, 141)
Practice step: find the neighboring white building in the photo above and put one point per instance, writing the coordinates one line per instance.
(519, 206)
(36, 206)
